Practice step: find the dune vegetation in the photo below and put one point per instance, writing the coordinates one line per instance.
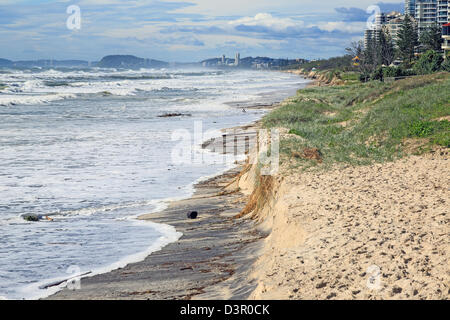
(363, 123)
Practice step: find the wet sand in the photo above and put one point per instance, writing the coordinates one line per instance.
(370, 232)
(214, 248)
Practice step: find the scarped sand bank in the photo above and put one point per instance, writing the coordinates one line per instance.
(214, 249)
(371, 232)
(374, 232)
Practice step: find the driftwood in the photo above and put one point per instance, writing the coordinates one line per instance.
(57, 283)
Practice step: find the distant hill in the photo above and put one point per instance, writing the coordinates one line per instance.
(112, 61)
(5, 63)
(128, 61)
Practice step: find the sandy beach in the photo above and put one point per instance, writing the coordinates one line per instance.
(389, 221)
(319, 236)
(377, 231)
(215, 248)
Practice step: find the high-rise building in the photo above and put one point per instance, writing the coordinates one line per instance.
(237, 61)
(371, 34)
(410, 7)
(443, 11)
(380, 19)
(446, 37)
(394, 25)
(426, 13)
(383, 19)
(370, 37)
(429, 12)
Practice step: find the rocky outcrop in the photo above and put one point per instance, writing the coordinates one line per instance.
(321, 78)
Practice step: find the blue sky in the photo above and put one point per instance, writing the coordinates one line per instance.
(183, 31)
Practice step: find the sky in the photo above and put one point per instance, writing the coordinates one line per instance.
(182, 31)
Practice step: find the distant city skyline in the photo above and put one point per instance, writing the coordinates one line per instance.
(181, 31)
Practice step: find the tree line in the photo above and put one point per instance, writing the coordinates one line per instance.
(417, 53)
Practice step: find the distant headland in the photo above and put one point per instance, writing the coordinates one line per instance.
(133, 62)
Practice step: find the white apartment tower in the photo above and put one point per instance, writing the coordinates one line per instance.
(237, 61)
(429, 12)
(393, 26)
(443, 11)
(391, 21)
(426, 13)
(371, 34)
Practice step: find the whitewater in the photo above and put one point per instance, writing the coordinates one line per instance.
(89, 149)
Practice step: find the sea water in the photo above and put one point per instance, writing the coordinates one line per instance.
(89, 149)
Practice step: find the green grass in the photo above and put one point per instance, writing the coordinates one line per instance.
(436, 131)
(364, 123)
(350, 77)
(341, 63)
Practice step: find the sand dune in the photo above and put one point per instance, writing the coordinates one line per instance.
(374, 232)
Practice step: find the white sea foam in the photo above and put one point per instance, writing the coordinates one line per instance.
(55, 84)
(10, 100)
(96, 162)
(168, 235)
(156, 204)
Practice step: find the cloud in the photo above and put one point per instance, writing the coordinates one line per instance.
(266, 20)
(341, 26)
(359, 14)
(194, 29)
(352, 14)
(268, 26)
(388, 7)
(180, 30)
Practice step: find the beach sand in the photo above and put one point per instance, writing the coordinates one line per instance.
(214, 248)
(373, 232)
(369, 232)
(211, 249)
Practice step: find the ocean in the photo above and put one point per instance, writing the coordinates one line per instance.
(89, 148)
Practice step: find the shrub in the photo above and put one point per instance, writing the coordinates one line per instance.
(392, 72)
(364, 77)
(445, 66)
(437, 130)
(428, 63)
(333, 74)
(442, 139)
(296, 132)
(421, 129)
(377, 74)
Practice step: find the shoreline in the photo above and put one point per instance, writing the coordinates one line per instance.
(222, 257)
(377, 231)
(209, 252)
